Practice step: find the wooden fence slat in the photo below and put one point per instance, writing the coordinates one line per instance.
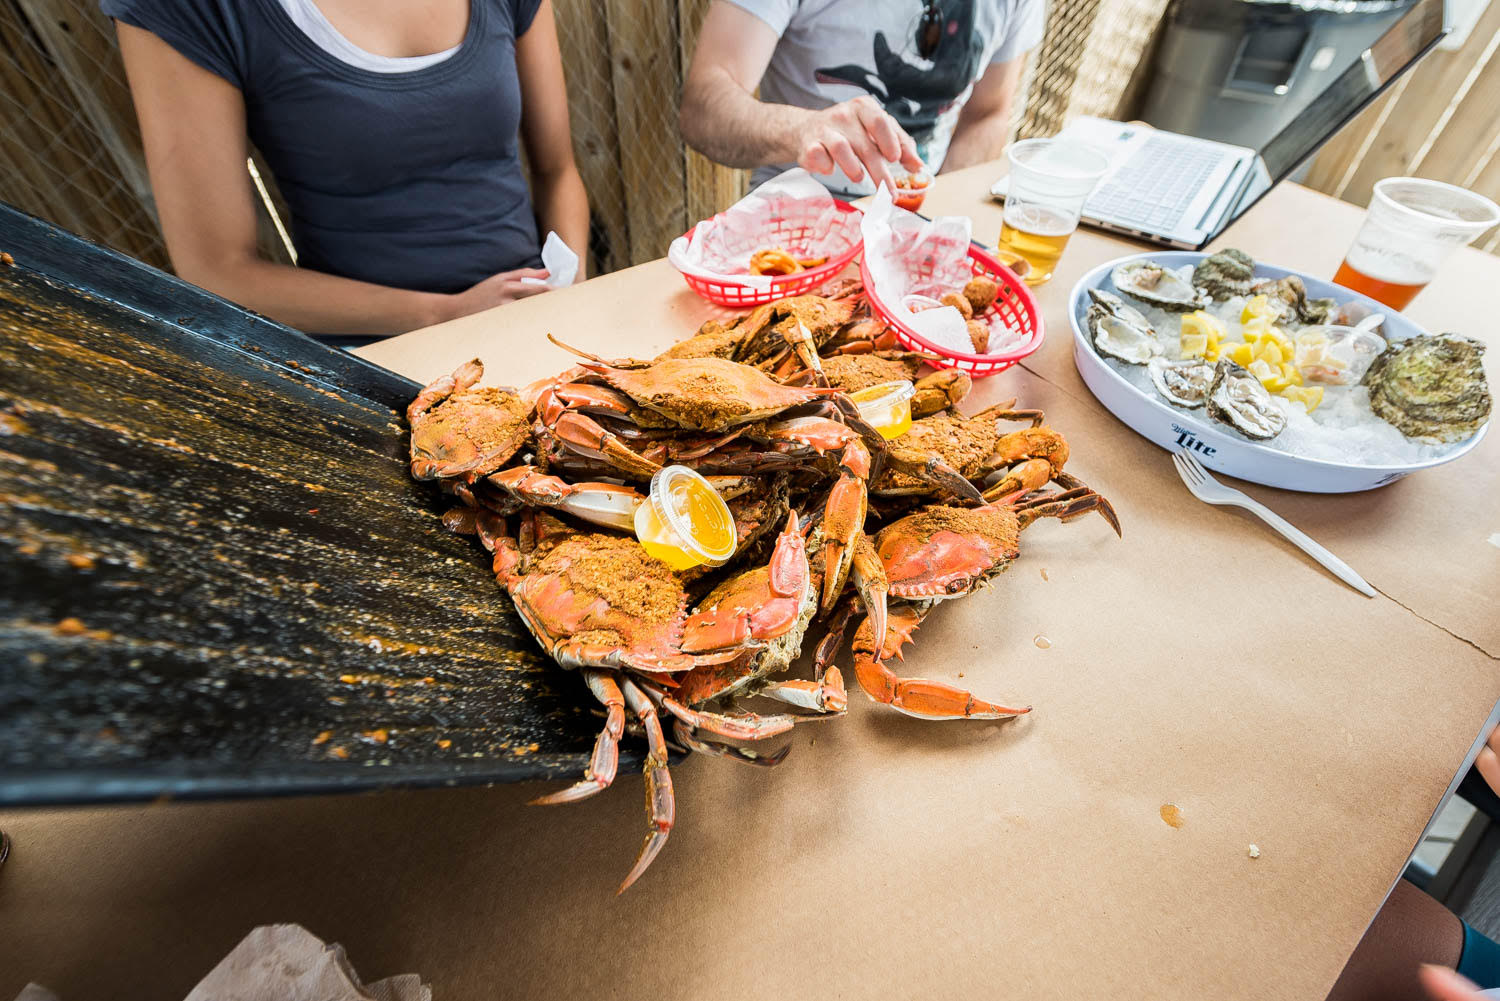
(644, 63)
(53, 146)
(1434, 85)
(1468, 133)
(80, 41)
(1335, 162)
(583, 37)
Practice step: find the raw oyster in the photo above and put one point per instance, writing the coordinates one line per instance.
(1290, 295)
(1236, 398)
(1224, 275)
(1159, 286)
(1184, 383)
(1129, 339)
(1431, 387)
(1112, 303)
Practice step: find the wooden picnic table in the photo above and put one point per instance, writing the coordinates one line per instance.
(1200, 661)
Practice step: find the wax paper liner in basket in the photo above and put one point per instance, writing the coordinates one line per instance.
(719, 249)
(893, 240)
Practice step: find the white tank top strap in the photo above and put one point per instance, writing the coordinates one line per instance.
(312, 22)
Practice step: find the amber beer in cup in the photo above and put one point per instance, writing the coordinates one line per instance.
(1049, 181)
(1411, 227)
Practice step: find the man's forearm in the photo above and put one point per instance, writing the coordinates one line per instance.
(978, 141)
(726, 124)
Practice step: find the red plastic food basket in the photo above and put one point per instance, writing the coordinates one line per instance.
(1014, 306)
(791, 228)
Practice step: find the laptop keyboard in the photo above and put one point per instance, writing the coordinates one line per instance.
(1154, 187)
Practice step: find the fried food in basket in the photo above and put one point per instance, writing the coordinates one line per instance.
(979, 335)
(981, 292)
(779, 261)
(959, 303)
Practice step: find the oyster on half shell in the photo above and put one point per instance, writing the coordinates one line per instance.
(1123, 335)
(1431, 387)
(1236, 398)
(1184, 383)
(1290, 296)
(1224, 275)
(1161, 287)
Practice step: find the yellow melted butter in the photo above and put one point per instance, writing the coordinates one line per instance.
(701, 509)
(893, 420)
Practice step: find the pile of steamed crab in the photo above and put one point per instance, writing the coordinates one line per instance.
(832, 523)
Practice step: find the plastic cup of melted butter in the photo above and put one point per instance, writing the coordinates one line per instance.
(886, 407)
(684, 522)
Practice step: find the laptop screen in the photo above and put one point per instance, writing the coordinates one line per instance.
(1281, 77)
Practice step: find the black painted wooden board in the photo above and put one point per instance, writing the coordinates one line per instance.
(216, 577)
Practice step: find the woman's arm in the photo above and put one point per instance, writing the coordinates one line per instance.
(193, 128)
(562, 204)
(984, 123)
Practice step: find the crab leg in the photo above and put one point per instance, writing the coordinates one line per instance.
(586, 436)
(844, 519)
(931, 469)
(661, 806)
(601, 767)
(1065, 506)
(1006, 412)
(873, 585)
(917, 697)
(751, 726)
(826, 695)
(607, 504)
(750, 756)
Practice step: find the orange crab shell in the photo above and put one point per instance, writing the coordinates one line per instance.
(706, 394)
(944, 552)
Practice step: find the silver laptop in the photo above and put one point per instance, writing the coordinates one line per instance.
(1182, 190)
(1166, 187)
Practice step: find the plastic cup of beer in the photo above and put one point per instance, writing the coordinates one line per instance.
(1411, 227)
(1050, 179)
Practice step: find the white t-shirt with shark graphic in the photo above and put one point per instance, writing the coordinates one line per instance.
(833, 50)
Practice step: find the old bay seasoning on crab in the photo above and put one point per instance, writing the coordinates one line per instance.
(684, 522)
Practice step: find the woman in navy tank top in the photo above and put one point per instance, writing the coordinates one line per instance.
(394, 130)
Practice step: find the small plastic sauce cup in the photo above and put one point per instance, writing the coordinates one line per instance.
(886, 407)
(684, 522)
(911, 188)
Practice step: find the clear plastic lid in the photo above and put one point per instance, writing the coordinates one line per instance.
(690, 506)
(875, 400)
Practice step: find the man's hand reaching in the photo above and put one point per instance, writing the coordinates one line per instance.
(859, 138)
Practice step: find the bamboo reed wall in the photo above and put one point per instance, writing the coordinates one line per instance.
(70, 151)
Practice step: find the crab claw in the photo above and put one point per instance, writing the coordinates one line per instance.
(843, 520)
(445, 386)
(931, 469)
(750, 610)
(874, 587)
(584, 435)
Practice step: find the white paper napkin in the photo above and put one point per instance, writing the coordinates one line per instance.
(894, 238)
(559, 260)
(720, 247)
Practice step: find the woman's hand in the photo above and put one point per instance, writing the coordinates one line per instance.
(496, 290)
(1442, 984)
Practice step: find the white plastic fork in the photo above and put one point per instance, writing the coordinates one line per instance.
(1211, 491)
